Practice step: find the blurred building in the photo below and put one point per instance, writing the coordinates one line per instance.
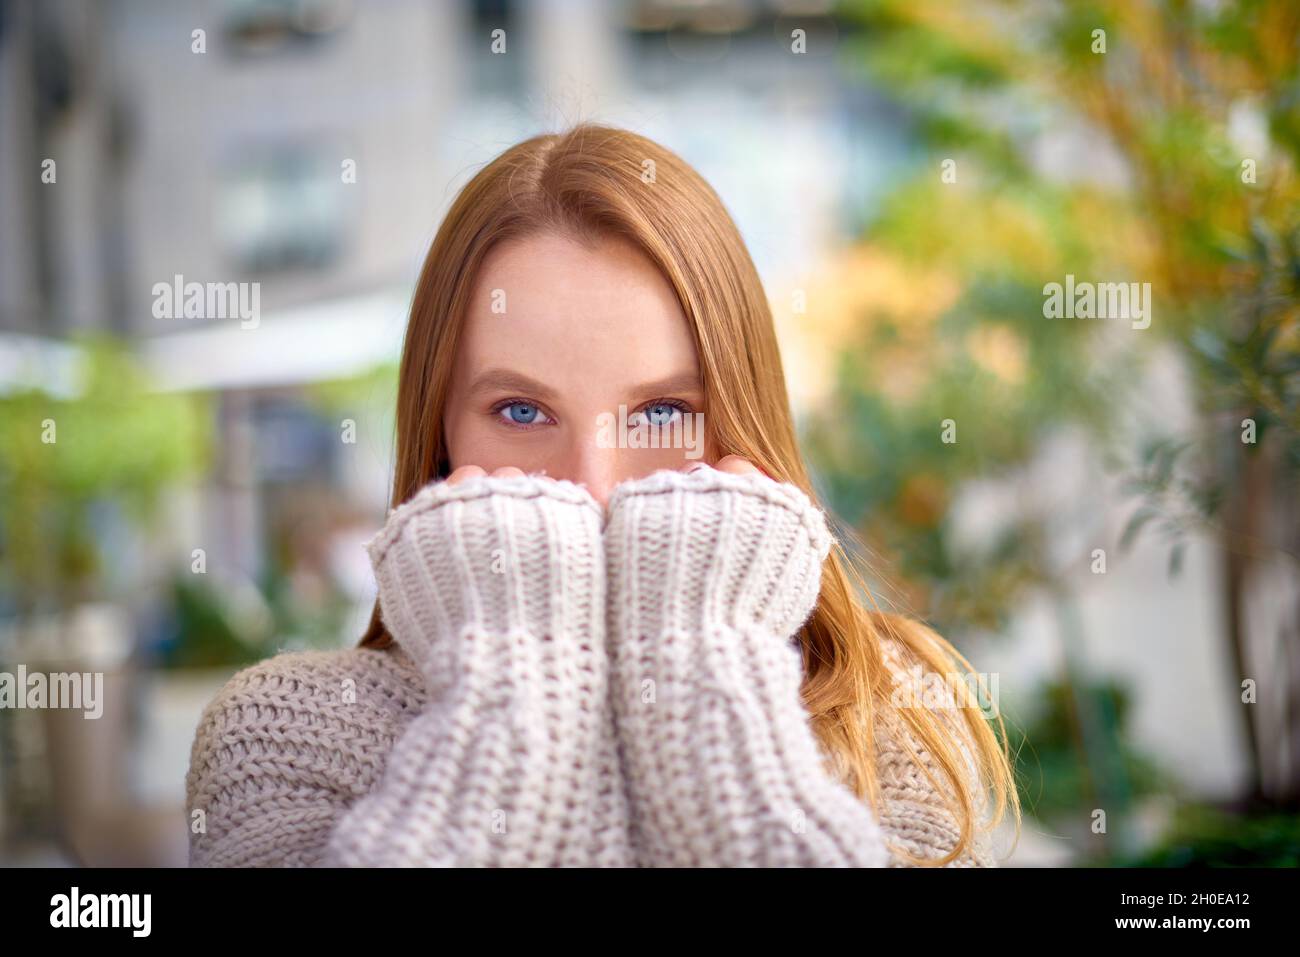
(308, 149)
(311, 147)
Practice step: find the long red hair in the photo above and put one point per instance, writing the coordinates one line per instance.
(594, 180)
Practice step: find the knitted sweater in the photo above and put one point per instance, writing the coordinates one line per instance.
(565, 688)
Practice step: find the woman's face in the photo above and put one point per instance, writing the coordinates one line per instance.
(573, 362)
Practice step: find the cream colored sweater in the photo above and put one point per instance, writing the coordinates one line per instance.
(566, 688)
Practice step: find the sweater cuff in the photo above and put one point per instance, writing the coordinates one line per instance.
(709, 547)
(438, 494)
(489, 558)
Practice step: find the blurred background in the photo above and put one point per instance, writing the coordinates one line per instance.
(1105, 519)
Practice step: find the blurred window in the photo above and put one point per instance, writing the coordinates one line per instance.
(282, 210)
(496, 74)
(265, 26)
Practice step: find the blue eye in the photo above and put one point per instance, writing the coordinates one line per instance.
(661, 414)
(522, 413)
(657, 414)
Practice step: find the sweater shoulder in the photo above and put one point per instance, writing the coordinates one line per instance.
(302, 733)
(300, 686)
(917, 814)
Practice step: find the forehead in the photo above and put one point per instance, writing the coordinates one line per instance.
(548, 306)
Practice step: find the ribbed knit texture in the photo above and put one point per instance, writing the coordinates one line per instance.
(914, 814)
(497, 589)
(711, 576)
(499, 731)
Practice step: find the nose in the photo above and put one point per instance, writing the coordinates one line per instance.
(594, 467)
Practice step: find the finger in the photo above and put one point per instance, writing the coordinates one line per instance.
(508, 471)
(463, 473)
(737, 466)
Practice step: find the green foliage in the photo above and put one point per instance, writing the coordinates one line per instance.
(236, 623)
(375, 389)
(1203, 836)
(217, 625)
(982, 83)
(1052, 771)
(1169, 158)
(115, 446)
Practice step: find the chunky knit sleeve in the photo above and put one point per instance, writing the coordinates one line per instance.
(286, 745)
(496, 588)
(915, 814)
(711, 576)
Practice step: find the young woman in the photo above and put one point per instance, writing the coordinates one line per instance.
(613, 628)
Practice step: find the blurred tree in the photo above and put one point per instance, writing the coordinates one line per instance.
(1134, 140)
(1053, 736)
(70, 465)
(1206, 837)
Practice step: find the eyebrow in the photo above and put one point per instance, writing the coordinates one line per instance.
(682, 382)
(505, 380)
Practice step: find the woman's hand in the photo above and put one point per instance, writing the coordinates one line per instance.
(736, 465)
(473, 471)
(731, 464)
